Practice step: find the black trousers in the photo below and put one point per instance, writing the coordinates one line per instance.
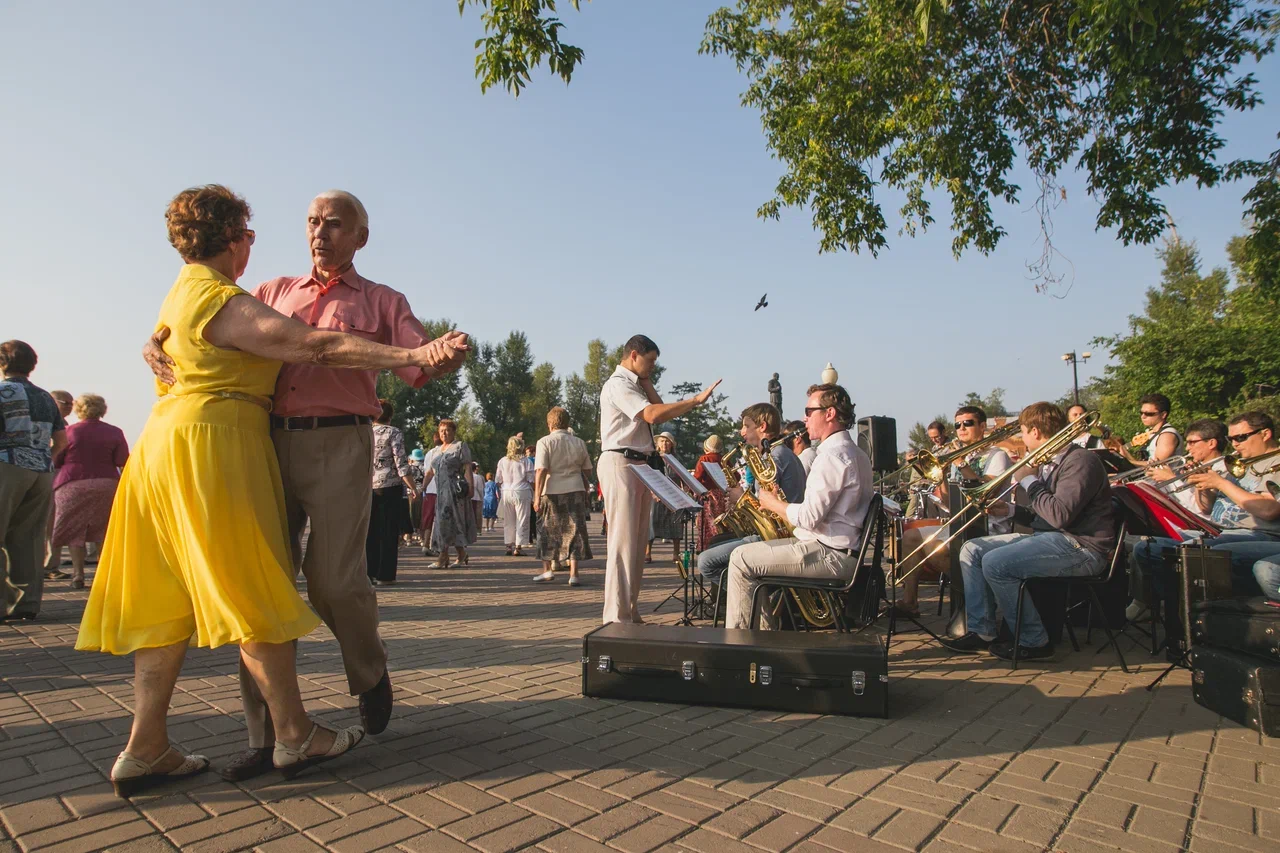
(382, 545)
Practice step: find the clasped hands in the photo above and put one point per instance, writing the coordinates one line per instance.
(445, 353)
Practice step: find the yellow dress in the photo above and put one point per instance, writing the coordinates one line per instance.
(196, 547)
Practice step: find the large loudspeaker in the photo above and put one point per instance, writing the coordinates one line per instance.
(878, 437)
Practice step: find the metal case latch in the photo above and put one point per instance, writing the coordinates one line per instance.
(604, 663)
(766, 675)
(859, 682)
(686, 670)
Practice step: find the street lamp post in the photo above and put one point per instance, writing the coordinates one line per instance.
(1075, 372)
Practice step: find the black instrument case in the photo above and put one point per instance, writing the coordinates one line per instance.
(1238, 686)
(814, 672)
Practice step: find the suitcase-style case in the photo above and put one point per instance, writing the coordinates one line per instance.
(1238, 686)
(820, 673)
(1249, 625)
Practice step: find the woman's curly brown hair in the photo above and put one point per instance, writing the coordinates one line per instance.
(204, 221)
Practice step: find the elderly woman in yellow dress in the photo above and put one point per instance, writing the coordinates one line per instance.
(196, 552)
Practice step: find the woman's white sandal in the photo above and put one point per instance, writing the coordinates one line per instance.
(290, 761)
(131, 775)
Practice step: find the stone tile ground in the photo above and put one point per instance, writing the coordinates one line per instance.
(493, 749)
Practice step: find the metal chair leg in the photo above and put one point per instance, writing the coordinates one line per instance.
(1111, 638)
(1066, 620)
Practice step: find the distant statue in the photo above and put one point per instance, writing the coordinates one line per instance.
(775, 393)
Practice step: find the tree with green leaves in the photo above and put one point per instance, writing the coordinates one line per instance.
(992, 404)
(1209, 347)
(933, 98)
(501, 378)
(691, 430)
(437, 399)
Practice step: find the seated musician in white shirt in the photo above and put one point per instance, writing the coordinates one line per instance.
(828, 523)
(1206, 441)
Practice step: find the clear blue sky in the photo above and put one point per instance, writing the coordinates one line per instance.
(622, 203)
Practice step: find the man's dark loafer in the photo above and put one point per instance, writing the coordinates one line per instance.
(969, 644)
(1004, 651)
(375, 706)
(247, 765)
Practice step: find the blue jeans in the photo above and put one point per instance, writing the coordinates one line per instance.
(1246, 547)
(713, 561)
(1267, 573)
(994, 567)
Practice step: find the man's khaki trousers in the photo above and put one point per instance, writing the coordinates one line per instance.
(627, 507)
(328, 478)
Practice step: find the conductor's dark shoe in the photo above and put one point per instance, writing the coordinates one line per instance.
(375, 706)
(247, 765)
(969, 644)
(1004, 651)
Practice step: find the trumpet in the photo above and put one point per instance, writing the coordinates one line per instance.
(1236, 466)
(983, 496)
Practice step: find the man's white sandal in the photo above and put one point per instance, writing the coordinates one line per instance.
(132, 775)
(290, 761)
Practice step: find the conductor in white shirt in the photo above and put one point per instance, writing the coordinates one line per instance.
(828, 523)
(629, 408)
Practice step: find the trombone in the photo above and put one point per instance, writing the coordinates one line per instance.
(983, 496)
(1142, 472)
(932, 466)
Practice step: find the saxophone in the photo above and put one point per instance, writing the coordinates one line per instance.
(747, 517)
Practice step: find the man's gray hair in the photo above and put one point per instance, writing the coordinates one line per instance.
(362, 215)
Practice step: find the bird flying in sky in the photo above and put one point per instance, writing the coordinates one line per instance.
(763, 303)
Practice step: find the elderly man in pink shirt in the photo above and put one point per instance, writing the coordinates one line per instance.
(321, 429)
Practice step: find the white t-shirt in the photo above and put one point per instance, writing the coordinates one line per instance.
(477, 487)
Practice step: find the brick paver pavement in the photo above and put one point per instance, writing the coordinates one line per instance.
(493, 749)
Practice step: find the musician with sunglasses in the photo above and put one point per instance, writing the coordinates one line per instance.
(1246, 510)
(828, 521)
(1162, 440)
(1206, 444)
(972, 469)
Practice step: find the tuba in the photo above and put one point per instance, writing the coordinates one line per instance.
(748, 518)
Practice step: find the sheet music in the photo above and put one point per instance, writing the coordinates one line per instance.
(716, 473)
(666, 491)
(682, 474)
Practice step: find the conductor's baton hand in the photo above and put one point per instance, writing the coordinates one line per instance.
(706, 392)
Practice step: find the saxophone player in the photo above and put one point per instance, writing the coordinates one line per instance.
(760, 424)
(827, 522)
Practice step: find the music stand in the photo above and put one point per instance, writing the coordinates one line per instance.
(685, 508)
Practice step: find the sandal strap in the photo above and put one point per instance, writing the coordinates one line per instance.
(129, 766)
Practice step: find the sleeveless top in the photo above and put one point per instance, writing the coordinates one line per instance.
(1178, 450)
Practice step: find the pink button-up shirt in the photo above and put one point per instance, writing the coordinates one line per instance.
(353, 305)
